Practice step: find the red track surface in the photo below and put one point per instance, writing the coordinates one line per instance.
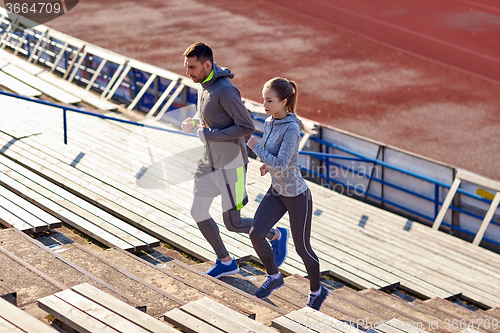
(419, 75)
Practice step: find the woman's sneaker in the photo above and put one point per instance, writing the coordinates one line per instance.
(280, 246)
(315, 301)
(219, 269)
(269, 285)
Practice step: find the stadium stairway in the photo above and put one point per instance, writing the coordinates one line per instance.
(112, 173)
(145, 178)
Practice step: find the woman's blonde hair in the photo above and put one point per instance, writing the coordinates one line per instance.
(285, 89)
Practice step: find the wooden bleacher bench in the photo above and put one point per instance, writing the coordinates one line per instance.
(41, 85)
(17, 86)
(85, 216)
(26, 73)
(312, 321)
(17, 212)
(207, 316)
(87, 309)
(39, 73)
(13, 319)
(87, 96)
(363, 255)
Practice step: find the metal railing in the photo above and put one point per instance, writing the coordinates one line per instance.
(65, 109)
(327, 158)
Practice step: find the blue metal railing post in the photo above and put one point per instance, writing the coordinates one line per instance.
(436, 200)
(65, 127)
(327, 164)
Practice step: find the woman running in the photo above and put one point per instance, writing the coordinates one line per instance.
(279, 150)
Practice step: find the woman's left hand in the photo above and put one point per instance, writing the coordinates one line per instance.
(252, 142)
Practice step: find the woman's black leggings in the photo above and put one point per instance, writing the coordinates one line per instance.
(271, 209)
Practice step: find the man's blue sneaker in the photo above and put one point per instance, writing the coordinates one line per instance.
(315, 301)
(219, 269)
(268, 286)
(280, 246)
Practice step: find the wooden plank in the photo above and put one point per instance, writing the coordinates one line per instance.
(41, 85)
(22, 320)
(436, 277)
(17, 86)
(188, 323)
(384, 238)
(72, 317)
(118, 82)
(20, 63)
(446, 203)
(78, 66)
(478, 179)
(123, 309)
(406, 327)
(96, 75)
(321, 326)
(487, 219)
(142, 92)
(337, 324)
(387, 329)
(7, 327)
(212, 317)
(36, 223)
(59, 57)
(12, 221)
(236, 316)
(287, 325)
(87, 96)
(96, 311)
(302, 271)
(41, 214)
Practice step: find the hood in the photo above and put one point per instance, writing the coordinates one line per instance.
(219, 72)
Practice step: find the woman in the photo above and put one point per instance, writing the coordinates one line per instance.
(288, 192)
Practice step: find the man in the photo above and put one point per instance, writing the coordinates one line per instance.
(224, 122)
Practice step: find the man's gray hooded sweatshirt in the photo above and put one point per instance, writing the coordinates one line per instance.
(279, 150)
(226, 120)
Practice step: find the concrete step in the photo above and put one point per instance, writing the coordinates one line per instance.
(358, 308)
(264, 311)
(467, 316)
(245, 281)
(68, 274)
(494, 312)
(27, 283)
(188, 286)
(404, 311)
(332, 307)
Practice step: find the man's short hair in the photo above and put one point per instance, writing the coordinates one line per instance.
(201, 51)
